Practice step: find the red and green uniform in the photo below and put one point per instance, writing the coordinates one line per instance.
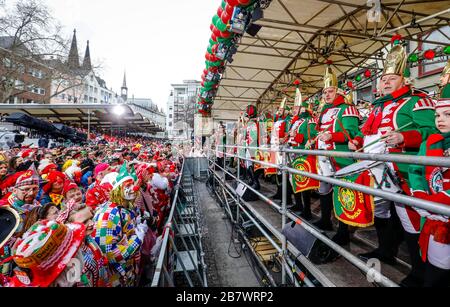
(303, 129)
(221, 140)
(390, 113)
(251, 139)
(433, 183)
(265, 130)
(342, 121)
(281, 126)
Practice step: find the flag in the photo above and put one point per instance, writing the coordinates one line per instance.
(302, 183)
(352, 207)
(269, 157)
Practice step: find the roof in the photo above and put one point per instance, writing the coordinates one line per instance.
(298, 37)
(101, 115)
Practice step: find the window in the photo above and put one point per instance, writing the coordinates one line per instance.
(63, 96)
(170, 124)
(95, 100)
(19, 85)
(437, 36)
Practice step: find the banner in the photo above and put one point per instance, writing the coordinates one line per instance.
(353, 207)
(302, 183)
(269, 157)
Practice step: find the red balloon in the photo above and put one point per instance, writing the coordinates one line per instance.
(211, 27)
(217, 32)
(225, 17)
(214, 48)
(233, 2)
(229, 9)
(214, 37)
(225, 34)
(219, 11)
(205, 71)
(244, 2)
(213, 69)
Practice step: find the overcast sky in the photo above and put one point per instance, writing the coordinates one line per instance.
(158, 42)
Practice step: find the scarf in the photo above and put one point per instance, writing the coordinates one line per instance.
(374, 121)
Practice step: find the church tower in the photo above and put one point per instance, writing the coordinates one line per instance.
(74, 61)
(124, 89)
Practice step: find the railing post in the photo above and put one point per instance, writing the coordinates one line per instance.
(237, 182)
(283, 216)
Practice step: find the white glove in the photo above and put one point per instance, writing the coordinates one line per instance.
(147, 215)
(141, 230)
(138, 220)
(438, 217)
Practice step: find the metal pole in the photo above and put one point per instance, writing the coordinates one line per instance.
(283, 217)
(235, 191)
(89, 125)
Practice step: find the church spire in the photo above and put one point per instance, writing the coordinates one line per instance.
(87, 66)
(124, 89)
(74, 60)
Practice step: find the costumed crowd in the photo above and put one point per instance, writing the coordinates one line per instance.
(399, 121)
(84, 216)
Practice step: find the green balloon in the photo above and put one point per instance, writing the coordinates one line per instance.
(223, 40)
(223, 4)
(209, 49)
(215, 19)
(220, 25)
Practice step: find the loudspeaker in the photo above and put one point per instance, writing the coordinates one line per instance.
(245, 193)
(312, 248)
(253, 29)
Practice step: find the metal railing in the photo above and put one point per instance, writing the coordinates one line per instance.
(285, 170)
(176, 221)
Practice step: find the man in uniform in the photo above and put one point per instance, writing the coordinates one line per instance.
(252, 140)
(302, 131)
(338, 122)
(281, 125)
(220, 142)
(403, 120)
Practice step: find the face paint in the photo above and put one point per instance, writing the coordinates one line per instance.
(129, 193)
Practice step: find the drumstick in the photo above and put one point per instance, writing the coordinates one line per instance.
(343, 130)
(383, 137)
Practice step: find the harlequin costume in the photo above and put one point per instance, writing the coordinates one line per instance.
(116, 234)
(302, 131)
(433, 184)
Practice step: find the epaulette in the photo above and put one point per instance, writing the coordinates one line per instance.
(424, 103)
(351, 111)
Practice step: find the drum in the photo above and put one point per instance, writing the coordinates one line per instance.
(383, 178)
(324, 166)
(383, 174)
(377, 147)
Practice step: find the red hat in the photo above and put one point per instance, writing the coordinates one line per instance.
(27, 153)
(69, 185)
(52, 178)
(28, 177)
(46, 249)
(100, 168)
(97, 196)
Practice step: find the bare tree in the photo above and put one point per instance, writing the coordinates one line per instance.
(32, 40)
